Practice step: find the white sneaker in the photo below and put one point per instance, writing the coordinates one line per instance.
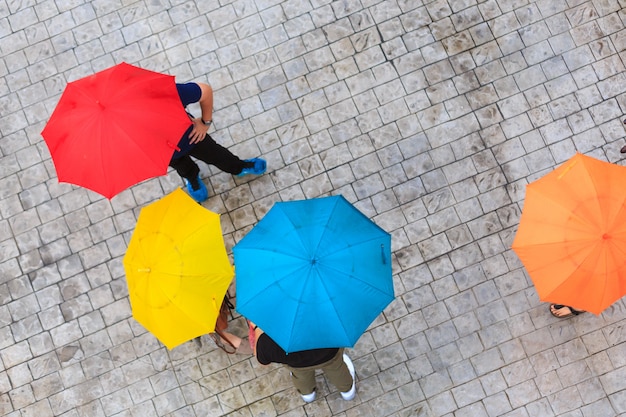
(352, 393)
(308, 397)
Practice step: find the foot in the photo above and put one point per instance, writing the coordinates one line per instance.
(308, 398)
(244, 347)
(235, 344)
(562, 311)
(197, 190)
(623, 150)
(224, 344)
(352, 393)
(256, 166)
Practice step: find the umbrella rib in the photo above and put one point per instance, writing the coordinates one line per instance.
(328, 293)
(604, 281)
(281, 252)
(269, 283)
(345, 333)
(362, 242)
(593, 183)
(326, 230)
(577, 268)
(133, 87)
(616, 216)
(340, 272)
(296, 313)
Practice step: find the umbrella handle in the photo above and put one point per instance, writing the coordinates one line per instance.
(171, 145)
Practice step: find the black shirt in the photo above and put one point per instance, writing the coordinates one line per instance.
(268, 351)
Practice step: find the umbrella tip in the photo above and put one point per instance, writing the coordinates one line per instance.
(143, 269)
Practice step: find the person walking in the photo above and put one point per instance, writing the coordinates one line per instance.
(197, 143)
(334, 362)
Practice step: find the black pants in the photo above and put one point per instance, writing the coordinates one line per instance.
(210, 152)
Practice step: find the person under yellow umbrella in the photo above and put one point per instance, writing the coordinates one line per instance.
(177, 270)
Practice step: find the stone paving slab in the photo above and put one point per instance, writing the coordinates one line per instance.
(429, 116)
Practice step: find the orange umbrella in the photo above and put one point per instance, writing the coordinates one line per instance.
(572, 234)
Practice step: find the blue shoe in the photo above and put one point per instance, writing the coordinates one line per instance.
(257, 167)
(201, 194)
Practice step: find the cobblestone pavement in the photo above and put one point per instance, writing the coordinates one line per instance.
(430, 116)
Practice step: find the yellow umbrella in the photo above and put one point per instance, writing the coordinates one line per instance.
(177, 269)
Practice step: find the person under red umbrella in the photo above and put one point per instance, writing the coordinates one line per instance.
(197, 143)
(125, 124)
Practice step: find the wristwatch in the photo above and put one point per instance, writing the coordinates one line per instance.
(206, 123)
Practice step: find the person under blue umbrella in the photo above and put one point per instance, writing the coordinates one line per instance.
(334, 362)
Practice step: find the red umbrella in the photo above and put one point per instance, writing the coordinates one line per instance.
(115, 128)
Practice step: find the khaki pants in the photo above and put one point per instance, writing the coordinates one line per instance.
(335, 370)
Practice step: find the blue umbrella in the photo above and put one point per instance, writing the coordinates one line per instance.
(314, 273)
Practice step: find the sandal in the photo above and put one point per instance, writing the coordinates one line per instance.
(554, 308)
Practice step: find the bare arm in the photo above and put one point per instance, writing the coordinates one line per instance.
(206, 105)
(257, 332)
(206, 102)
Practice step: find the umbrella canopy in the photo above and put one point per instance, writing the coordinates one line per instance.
(177, 269)
(572, 234)
(115, 128)
(314, 273)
